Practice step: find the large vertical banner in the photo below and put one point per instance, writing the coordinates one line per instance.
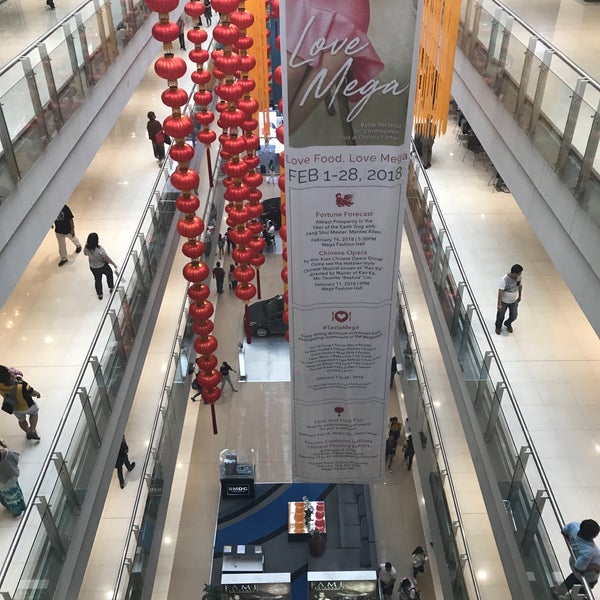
(347, 69)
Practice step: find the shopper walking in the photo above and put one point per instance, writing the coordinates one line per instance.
(418, 558)
(231, 278)
(181, 25)
(64, 227)
(586, 564)
(386, 577)
(19, 401)
(208, 12)
(123, 459)
(156, 136)
(225, 377)
(390, 451)
(510, 290)
(218, 274)
(99, 264)
(395, 428)
(407, 590)
(409, 451)
(11, 495)
(221, 245)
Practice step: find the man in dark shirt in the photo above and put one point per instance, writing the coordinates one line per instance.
(64, 228)
(219, 276)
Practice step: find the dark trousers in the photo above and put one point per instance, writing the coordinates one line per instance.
(159, 151)
(105, 270)
(119, 467)
(182, 41)
(513, 308)
(571, 580)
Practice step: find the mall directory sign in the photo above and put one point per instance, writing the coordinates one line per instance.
(348, 98)
(342, 585)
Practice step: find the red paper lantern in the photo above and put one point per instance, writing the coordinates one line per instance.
(195, 273)
(254, 195)
(275, 9)
(283, 233)
(244, 42)
(198, 55)
(247, 63)
(257, 245)
(207, 362)
(285, 317)
(243, 273)
(181, 152)
(209, 379)
(279, 134)
(240, 235)
(199, 292)
(255, 227)
(170, 67)
(232, 117)
(252, 161)
(245, 291)
(243, 19)
(249, 124)
(203, 329)
(194, 9)
(277, 75)
(235, 169)
(178, 127)
(201, 311)
(197, 35)
(284, 274)
(185, 180)
(281, 183)
(162, 6)
(190, 227)
(284, 254)
(201, 76)
(224, 6)
(207, 136)
(211, 395)
(204, 98)
(236, 193)
(207, 346)
(226, 34)
(252, 141)
(165, 32)
(242, 255)
(231, 92)
(188, 204)
(258, 260)
(205, 117)
(253, 179)
(282, 159)
(234, 144)
(248, 105)
(193, 249)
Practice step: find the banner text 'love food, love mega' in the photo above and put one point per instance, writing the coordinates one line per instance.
(348, 67)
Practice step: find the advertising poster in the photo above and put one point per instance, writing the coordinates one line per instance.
(348, 96)
(256, 586)
(342, 585)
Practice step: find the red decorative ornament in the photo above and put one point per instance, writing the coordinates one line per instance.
(162, 6)
(170, 67)
(209, 379)
(281, 183)
(165, 32)
(226, 34)
(207, 362)
(244, 42)
(224, 6)
(193, 249)
(174, 97)
(253, 179)
(279, 134)
(207, 346)
(185, 180)
(248, 105)
(190, 227)
(199, 292)
(196, 35)
(178, 127)
(198, 55)
(235, 169)
(283, 233)
(277, 75)
(201, 77)
(201, 311)
(203, 328)
(203, 97)
(244, 273)
(194, 9)
(181, 152)
(207, 137)
(245, 291)
(210, 395)
(284, 274)
(258, 260)
(188, 204)
(195, 272)
(240, 235)
(242, 19)
(242, 254)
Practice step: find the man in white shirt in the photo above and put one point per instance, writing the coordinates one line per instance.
(386, 575)
(510, 290)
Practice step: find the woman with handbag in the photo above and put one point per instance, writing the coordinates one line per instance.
(11, 495)
(156, 136)
(19, 401)
(99, 264)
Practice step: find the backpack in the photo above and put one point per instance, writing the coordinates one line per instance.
(408, 591)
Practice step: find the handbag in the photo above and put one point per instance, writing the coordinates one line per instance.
(160, 137)
(167, 138)
(7, 407)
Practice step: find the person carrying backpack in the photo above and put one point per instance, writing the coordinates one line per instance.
(19, 400)
(407, 590)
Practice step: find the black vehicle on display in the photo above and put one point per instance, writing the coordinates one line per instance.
(265, 317)
(272, 211)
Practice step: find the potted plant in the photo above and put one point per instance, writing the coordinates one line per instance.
(212, 592)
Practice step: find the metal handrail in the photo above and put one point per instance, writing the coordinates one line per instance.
(11, 63)
(64, 418)
(182, 315)
(430, 405)
(550, 45)
(505, 379)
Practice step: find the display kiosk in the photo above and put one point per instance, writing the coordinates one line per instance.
(236, 469)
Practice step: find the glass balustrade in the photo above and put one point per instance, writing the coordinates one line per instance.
(518, 470)
(550, 97)
(44, 86)
(47, 525)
